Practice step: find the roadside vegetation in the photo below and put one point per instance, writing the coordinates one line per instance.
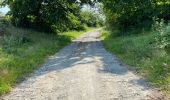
(139, 52)
(138, 32)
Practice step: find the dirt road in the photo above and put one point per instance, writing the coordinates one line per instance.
(83, 70)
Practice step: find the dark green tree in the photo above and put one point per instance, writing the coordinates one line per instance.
(46, 15)
(130, 13)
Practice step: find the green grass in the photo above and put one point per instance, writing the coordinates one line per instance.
(74, 34)
(23, 51)
(139, 52)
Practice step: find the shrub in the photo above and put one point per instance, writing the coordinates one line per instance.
(162, 37)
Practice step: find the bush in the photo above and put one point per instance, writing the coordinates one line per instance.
(162, 37)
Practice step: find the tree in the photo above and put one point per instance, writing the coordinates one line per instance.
(91, 19)
(46, 15)
(130, 13)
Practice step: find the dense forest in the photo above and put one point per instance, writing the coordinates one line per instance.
(138, 31)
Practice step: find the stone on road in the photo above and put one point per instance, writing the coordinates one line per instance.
(83, 70)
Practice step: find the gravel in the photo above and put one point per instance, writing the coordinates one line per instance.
(83, 70)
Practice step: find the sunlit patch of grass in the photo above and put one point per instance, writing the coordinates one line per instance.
(74, 34)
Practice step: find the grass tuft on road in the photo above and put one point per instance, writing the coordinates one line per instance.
(23, 50)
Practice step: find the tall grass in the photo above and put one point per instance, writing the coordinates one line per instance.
(141, 52)
(23, 50)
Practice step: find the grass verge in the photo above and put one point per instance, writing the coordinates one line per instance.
(23, 50)
(73, 34)
(139, 52)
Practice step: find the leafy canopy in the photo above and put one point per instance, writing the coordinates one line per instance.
(129, 13)
(46, 15)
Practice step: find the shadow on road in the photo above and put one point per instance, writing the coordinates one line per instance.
(86, 53)
(67, 69)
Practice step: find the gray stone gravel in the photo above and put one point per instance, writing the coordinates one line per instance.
(83, 70)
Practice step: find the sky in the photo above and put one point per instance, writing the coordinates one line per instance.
(4, 9)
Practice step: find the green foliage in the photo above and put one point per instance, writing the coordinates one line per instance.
(162, 31)
(91, 19)
(46, 15)
(134, 13)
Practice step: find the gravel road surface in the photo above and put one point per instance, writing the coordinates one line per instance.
(83, 70)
